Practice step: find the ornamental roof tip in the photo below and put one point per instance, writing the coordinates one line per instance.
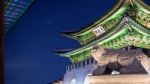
(68, 31)
(62, 50)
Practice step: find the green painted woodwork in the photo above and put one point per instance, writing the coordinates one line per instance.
(80, 56)
(86, 38)
(127, 24)
(87, 30)
(117, 37)
(109, 23)
(141, 14)
(114, 16)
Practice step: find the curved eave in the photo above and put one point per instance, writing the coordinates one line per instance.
(109, 36)
(89, 46)
(117, 6)
(142, 5)
(68, 35)
(62, 51)
(8, 27)
(8, 4)
(145, 7)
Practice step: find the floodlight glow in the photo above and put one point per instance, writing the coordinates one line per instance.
(73, 81)
(86, 81)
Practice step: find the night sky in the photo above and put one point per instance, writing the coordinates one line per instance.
(29, 57)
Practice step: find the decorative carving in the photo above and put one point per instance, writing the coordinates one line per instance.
(126, 62)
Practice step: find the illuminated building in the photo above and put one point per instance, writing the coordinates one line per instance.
(14, 10)
(126, 26)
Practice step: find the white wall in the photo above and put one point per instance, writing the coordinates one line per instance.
(80, 73)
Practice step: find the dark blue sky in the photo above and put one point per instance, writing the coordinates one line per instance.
(29, 45)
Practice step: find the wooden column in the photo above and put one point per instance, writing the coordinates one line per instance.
(1, 41)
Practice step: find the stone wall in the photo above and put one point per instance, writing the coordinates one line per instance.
(77, 73)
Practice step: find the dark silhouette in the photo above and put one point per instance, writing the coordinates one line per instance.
(1, 41)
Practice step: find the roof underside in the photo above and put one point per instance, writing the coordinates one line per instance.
(14, 9)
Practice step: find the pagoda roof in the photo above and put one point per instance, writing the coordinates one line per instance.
(73, 33)
(138, 33)
(100, 20)
(132, 28)
(14, 10)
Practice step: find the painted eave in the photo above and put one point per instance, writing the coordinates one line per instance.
(117, 8)
(109, 36)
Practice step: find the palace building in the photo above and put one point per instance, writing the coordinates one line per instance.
(126, 27)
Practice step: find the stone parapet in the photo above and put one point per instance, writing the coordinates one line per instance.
(120, 79)
(80, 64)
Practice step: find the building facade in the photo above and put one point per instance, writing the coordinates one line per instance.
(77, 73)
(126, 26)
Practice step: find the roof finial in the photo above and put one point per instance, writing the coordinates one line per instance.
(128, 2)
